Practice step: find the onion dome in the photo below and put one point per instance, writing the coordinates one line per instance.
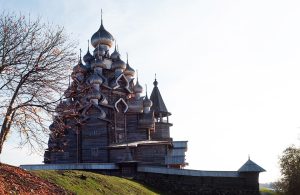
(95, 79)
(79, 68)
(102, 36)
(147, 102)
(52, 127)
(88, 57)
(128, 71)
(118, 64)
(94, 94)
(115, 55)
(98, 63)
(137, 88)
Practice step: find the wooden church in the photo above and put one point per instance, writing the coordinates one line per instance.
(104, 118)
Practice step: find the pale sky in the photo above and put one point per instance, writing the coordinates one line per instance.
(229, 71)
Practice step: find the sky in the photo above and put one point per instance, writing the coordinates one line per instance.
(229, 71)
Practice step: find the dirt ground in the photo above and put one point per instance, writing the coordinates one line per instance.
(14, 180)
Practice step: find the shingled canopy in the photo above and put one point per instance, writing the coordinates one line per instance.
(158, 106)
(251, 166)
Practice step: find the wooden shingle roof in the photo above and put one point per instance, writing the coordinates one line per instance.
(251, 166)
(158, 106)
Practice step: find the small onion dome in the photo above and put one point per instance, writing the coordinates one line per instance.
(95, 79)
(118, 64)
(79, 68)
(147, 102)
(52, 127)
(98, 63)
(115, 55)
(88, 57)
(129, 71)
(94, 94)
(102, 36)
(137, 88)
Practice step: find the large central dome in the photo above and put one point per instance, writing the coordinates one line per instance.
(102, 37)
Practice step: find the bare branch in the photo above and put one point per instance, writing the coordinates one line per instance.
(33, 61)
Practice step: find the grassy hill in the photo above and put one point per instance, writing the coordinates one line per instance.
(14, 180)
(267, 191)
(81, 182)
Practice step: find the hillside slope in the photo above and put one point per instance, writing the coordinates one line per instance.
(14, 180)
(81, 182)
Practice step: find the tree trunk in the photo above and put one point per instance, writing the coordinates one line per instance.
(5, 129)
(10, 113)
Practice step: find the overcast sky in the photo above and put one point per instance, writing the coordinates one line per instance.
(229, 71)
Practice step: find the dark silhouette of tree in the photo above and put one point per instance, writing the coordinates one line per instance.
(289, 184)
(34, 61)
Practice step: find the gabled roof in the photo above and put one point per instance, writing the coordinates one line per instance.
(158, 106)
(251, 166)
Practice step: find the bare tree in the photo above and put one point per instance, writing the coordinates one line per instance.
(34, 61)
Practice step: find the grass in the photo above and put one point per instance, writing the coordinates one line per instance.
(266, 191)
(81, 182)
(86, 183)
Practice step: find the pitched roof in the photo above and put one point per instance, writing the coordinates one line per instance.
(158, 106)
(251, 166)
